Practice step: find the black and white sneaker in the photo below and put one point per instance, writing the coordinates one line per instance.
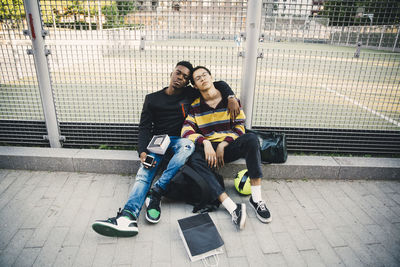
(239, 216)
(124, 225)
(261, 210)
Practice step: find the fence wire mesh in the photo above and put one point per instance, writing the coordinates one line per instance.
(108, 83)
(327, 89)
(107, 55)
(372, 23)
(157, 20)
(21, 113)
(329, 101)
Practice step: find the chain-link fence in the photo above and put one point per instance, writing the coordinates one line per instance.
(329, 100)
(105, 56)
(21, 115)
(373, 24)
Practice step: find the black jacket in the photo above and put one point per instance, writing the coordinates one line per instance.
(165, 114)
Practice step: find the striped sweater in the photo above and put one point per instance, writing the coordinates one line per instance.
(206, 123)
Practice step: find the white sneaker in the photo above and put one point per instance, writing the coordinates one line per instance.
(123, 225)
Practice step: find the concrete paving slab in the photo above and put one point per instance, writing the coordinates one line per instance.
(254, 254)
(27, 257)
(66, 256)
(51, 249)
(312, 258)
(384, 257)
(348, 257)
(386, 239)
(356, 245)
(296, 236)
(289, 250)
(328, 255)
(15, 247)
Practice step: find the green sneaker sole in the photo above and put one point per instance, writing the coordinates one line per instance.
(111, 231)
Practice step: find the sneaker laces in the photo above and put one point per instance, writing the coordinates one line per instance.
(113, 219)
(154, 202)
(234, 217)
(119, 214)
(261, 205)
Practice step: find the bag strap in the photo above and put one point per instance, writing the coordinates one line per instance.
(206, 263)
(198, 179)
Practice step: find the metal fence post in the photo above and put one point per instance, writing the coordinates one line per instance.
(100, 27)
(380, 40)
(253, 21)
(37, 34)
(397, 38)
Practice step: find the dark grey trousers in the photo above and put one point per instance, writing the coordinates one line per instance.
(246, 146)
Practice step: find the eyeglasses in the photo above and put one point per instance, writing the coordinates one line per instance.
(204, 75)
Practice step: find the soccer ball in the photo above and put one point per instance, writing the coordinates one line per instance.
(242, 183)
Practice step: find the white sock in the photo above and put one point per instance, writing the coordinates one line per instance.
(229, 205)
(256, 193)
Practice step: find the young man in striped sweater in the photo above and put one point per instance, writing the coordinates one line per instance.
(218, 140)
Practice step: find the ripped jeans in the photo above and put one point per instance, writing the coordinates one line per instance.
(182, 149)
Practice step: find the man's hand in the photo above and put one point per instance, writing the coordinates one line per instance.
(209, 154)
(143, 156)
(233, 107)
(220, 153)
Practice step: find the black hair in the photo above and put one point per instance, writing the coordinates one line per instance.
(186, 64)
(196, 68)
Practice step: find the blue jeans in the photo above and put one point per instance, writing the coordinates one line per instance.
(182, 148)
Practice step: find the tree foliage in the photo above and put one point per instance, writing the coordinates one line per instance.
(346, 13)
(125, 7)
(116, 12)
(70, 14)
(70, 9)
(12, 10)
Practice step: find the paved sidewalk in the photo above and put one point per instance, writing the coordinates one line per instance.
(45, 220)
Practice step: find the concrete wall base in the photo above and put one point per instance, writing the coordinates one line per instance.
(127, 162)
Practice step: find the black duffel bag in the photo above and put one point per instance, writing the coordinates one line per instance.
(273, 146)
(189, 186)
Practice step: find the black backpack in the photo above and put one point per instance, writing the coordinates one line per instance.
(189, 186)
(273, 146)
